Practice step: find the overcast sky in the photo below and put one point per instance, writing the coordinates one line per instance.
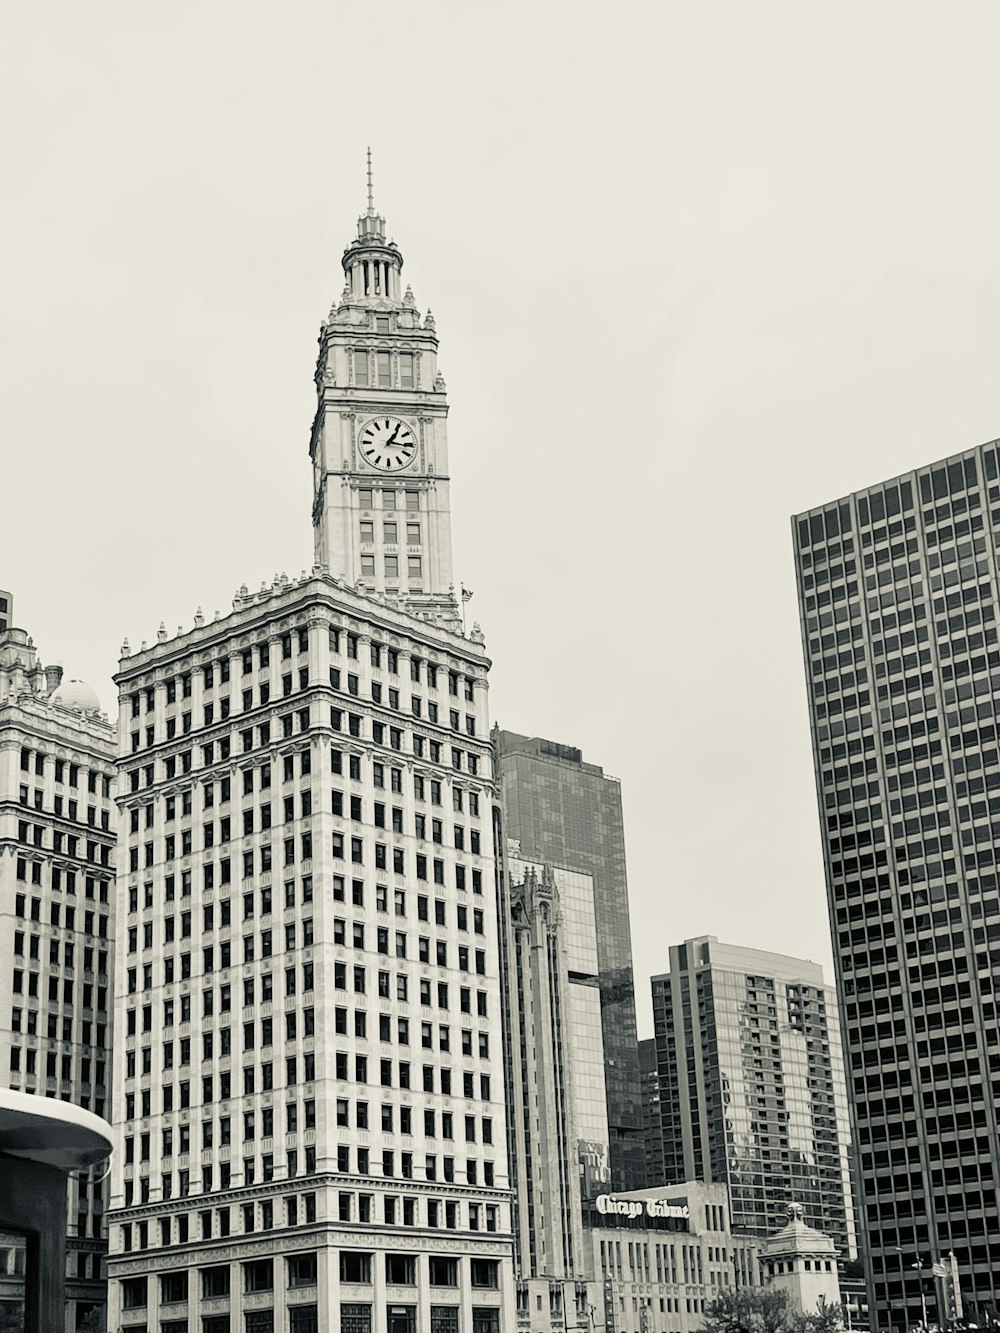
(694, 266)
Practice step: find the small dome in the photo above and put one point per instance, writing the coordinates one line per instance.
(77, 696)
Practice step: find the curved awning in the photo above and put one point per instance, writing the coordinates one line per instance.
(60, 1134)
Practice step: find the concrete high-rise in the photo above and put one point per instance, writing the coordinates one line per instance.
(565, 814)
(751, 1085)
(898, 594)
(57, 845)
(310, 1091)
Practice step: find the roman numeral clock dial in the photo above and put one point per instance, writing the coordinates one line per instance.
(387, 443)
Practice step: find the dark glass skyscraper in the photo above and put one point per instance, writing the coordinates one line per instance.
(567, 814)
(653, 1141)
(898, 593)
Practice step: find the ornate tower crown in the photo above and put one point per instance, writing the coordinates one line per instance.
(371, 263)
(379, 445)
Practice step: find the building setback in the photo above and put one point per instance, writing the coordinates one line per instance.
(310, 1093)
(751, 1085)
(898, 597)
(57, 852)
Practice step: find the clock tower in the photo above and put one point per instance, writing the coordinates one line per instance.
(381, 510)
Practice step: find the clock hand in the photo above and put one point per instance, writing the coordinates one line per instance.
(399, 427)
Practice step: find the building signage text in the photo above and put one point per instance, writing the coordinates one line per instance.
(608, 1203)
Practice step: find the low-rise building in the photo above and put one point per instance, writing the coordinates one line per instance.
(662, 1255)
(802, 1262)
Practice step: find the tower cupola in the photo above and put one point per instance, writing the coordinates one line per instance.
(371, 263)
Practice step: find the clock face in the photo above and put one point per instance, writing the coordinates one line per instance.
(387, 443)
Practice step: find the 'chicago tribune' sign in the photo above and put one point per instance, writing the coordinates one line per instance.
(608, 1203)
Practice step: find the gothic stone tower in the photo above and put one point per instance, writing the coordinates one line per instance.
(379, 444)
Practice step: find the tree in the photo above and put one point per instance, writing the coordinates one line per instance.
(747, 1310)
(765, 1310)
(826, 1319)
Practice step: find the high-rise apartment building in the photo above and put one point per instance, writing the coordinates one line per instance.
(565, 814)
(898, 593)
(57, 845)
(751, 1085)
(310, 1090)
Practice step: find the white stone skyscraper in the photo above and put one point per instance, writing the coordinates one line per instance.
(310, 1084)
(57, 849)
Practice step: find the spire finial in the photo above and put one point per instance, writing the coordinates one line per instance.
(371, 196)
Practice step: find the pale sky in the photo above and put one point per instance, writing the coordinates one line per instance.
(694, 266)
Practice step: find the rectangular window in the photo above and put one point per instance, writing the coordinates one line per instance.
(400, 1270)
(406, 380)
(414, 566)
(392, 566)
(413, 534)
(368, 566)
(361, 368)
(355, 1318)
(389, 532)
(384, 370)
(367, 530)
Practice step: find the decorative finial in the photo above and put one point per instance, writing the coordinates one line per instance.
(199, 618)
(371, 195)
(161, 633)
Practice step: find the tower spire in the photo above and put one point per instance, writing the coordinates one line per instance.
(371, 195)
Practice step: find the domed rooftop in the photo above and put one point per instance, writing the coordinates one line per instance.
(77, 696)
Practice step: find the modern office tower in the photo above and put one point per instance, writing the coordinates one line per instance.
(649, 1076)
(566, 814)
(898, 595)
(310, 1094)
(57, 843)
(752, 1085)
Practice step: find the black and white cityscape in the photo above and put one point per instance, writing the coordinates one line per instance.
(326, 993)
